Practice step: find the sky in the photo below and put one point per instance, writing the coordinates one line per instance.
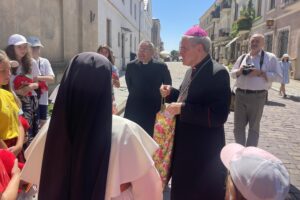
(176, 17)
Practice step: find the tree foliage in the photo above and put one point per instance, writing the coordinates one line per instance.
(174, 54)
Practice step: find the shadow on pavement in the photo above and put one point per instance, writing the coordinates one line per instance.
(294, 193)
(273, 103)
(293, 98)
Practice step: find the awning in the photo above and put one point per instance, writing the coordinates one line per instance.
(232, 41)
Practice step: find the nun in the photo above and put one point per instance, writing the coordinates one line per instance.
(88, 153)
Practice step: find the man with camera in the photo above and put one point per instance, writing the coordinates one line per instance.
(254, 72)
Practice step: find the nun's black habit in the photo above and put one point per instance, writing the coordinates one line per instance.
(78, 143)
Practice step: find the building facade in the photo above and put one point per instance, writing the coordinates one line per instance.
(122, 25)
(208, 22)
(277, 20)
(279, 23)
(67, 27)
(217, 22)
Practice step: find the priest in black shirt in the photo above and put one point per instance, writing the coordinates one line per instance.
(144, 76)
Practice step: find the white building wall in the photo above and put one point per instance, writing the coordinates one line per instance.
(126, 24)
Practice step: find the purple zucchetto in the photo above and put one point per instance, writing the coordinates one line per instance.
(196, 31)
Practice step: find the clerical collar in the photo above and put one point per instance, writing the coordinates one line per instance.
(150, 61)
(202, 61)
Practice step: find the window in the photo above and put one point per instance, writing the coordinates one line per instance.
(259, 3)
(131, 7)
(269, 42)
(283, 39)
(123, 1)
(108, 32)
(119, 39)
(272, 4)
(134, 44)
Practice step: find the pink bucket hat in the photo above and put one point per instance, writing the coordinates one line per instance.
(256, 173)
(196, 31)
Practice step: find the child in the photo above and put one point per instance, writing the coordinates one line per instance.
(47, 76)
(254, 174)
(11, 130)
(17, 49)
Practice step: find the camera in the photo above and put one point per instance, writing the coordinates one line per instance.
(247, 69)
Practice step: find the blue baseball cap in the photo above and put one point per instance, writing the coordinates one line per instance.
(34, 41)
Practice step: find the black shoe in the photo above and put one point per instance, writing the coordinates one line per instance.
(284, 96)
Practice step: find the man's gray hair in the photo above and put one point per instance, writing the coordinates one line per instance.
(148, 43)
(205, 41)
(259, 35)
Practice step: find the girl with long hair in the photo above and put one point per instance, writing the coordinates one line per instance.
(23, 80)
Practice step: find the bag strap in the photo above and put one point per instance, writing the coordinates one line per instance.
(262, 56)
(261, 61)
(234, 85)
(162, 103)
(243, 56)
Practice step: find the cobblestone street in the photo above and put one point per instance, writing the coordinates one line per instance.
(279, 135)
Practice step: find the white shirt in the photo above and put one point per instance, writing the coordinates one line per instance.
(270, 66)
(46, 70)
